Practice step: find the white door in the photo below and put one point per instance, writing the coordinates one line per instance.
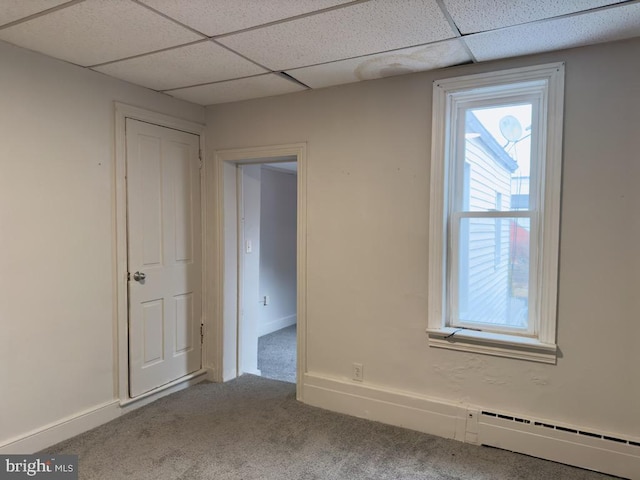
(164, 255)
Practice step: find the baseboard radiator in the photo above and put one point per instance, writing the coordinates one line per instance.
(586, 448)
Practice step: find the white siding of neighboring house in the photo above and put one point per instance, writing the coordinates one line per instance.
(486, 263)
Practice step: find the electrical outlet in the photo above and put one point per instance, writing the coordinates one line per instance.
(358, 372)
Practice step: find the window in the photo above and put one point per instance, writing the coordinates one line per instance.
(495, 207)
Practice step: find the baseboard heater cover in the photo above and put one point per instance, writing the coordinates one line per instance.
(561, 428)
(520, 434)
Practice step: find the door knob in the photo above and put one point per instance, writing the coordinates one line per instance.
(139, 276)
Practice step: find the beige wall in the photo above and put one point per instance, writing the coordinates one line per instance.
(57, 227)
(368, 190)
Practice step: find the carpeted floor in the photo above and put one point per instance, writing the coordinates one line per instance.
(253, 428)
(277, 355)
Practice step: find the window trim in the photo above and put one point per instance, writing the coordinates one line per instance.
(541, 348)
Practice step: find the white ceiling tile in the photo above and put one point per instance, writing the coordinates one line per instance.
(352, 31)
(235, 90)
(215, 17)
(567, 32)
(98, 31)
(398, 62)
(471, 16)
(203, 62)
(13, 10)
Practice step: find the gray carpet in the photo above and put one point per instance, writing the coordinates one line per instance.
(277, 355)
(253, 428)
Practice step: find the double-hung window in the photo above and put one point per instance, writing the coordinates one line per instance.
(495, 208)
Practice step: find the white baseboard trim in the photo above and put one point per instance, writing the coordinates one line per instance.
(61, 430)
(56, 432)
(397, 408)
(278, 324)
(466, 423)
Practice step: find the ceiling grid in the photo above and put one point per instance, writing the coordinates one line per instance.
(217, 51)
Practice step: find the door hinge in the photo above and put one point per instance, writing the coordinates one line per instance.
(202, 333)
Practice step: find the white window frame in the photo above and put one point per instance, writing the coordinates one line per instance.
(538, 343)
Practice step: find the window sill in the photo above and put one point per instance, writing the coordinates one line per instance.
(496, 344)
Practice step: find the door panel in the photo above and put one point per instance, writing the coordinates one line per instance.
(180, 178)
(153, 325)
(184, 318)
(164, 244)
(148, 191)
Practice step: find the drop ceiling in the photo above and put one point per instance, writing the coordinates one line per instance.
(217, 51)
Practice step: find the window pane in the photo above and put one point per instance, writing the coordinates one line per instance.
(493, 271)
(498, 152)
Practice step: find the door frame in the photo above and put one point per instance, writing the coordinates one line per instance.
(227, 262)
(121, 302)
(242, 270)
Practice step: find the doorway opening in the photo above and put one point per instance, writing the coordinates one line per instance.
(261, 309)
(267, 201)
